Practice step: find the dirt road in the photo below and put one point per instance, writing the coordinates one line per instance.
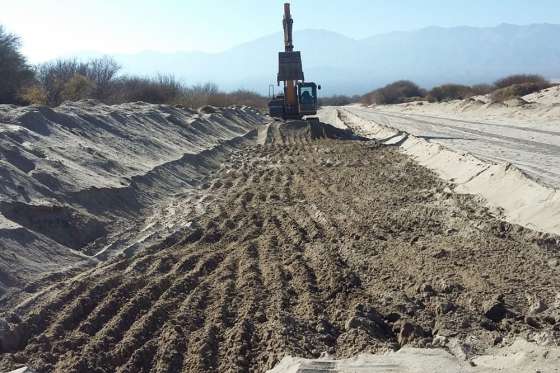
(306, 244)
(529, 147)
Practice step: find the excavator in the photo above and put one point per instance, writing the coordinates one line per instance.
(299, 98)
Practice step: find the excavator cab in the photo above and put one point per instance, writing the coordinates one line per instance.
(307, 97)
(307, 103)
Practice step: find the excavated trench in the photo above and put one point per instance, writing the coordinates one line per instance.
(306, 243)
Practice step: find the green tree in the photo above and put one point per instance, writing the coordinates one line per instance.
(14, 71)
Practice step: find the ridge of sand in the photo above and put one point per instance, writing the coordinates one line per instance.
(78, 178)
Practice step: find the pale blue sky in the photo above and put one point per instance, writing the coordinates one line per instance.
(52, 28)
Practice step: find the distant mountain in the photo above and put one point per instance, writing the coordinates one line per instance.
(429, 56)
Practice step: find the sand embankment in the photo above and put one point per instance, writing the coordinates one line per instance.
(76, 177)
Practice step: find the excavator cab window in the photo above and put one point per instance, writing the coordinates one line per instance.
(306, 96)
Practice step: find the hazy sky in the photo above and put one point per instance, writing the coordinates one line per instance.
(50, 28)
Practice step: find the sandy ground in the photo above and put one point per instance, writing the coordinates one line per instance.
(307, 241)
(533, 150)
(508, 154)
(521, 357)
(527, 136)
(84, 181)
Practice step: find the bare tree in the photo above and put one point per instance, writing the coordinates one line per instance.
(161, 89)
(53, 76)
(102, 71)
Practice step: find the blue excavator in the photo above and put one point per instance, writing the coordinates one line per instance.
(299, 98)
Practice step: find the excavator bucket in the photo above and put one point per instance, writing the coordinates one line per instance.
(290, 66)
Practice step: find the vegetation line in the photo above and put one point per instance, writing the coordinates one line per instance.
(55, 82)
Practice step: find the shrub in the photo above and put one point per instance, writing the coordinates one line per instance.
(247, 98)
(162, 89)
(482, 89)
(203, 94)
(338, 100)
(450, 92)
(34, 95)
(521, 79)
(14, 71)
(517, 86)
(394, 93)
(166, 89)
(77, 88)
(71, 79)
(53, 78)
(102, 71)
(517, 90)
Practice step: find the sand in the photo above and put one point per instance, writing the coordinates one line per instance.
(520, 357)
(514, 164)
(81, 181)
(311, 242)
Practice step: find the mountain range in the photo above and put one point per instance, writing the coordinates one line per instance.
(429, 56)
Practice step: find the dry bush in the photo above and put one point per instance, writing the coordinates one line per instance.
(394, 93)
(201, 95)
(520, 79)
(209, 94)
(517, 86)
(219, 99)
(71, 79)
(338, 100)
(448, 92)
(482, 89)
(53, 77)
(247, 98)
(517, 90)
(162, 89)
(102, 71)
(78, 88)
(166, 89)
(34, 95)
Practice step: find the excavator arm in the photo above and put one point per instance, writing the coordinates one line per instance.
(288, 27)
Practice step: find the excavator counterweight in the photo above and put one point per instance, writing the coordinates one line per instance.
(299, 98)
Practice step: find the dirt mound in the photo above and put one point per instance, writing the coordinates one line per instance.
(302, 131)
(77, 176)
(335, 246)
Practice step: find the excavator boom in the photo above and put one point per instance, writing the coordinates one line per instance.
(288, 27)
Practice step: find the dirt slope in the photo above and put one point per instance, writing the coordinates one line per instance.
(304, 245)
(79, 177)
